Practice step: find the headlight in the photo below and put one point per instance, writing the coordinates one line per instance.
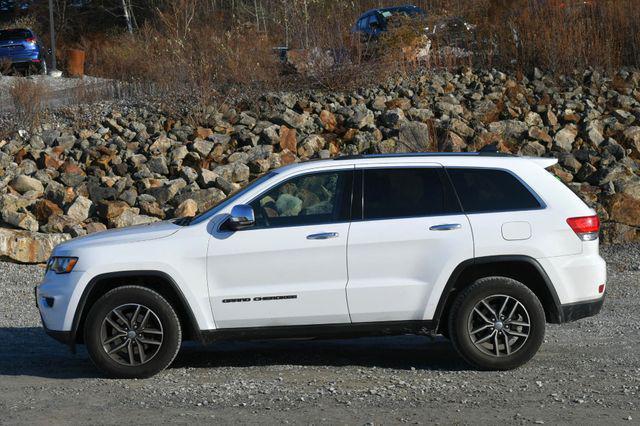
(61, 265)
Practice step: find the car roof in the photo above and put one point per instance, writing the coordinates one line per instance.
(466, 159)
(391, 9)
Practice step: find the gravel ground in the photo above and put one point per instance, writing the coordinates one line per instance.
(586, 372)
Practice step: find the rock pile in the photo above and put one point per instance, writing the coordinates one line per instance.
(138, 165)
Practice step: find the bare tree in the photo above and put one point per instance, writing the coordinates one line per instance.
(128, 16)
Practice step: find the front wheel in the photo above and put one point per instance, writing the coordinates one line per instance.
(132, 332)
(497, 324)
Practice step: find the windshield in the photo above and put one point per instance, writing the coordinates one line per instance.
(206, 215)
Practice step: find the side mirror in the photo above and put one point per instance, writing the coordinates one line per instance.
(241, 217)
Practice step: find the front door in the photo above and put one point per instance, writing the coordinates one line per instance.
(291, 267)
(411, 236)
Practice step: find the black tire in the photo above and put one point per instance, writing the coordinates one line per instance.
(164, 317)
(495, 290)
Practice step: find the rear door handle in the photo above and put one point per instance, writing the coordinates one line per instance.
(446, 227)
(323, 236)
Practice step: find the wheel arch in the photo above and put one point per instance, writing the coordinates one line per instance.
(158, 281)
(522, 268)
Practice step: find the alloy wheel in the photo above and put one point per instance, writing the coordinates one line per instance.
(499, 325)
(131, 334)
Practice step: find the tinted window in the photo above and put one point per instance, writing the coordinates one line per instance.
(14, 34)
(483, 190)
(306, 200)
(373, 22)
(398, 193)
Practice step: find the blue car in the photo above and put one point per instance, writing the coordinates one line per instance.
(374, 22)
(21, 49)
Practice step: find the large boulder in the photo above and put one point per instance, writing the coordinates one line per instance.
(624, 209)
(23, 184)
(414, 136)
(28, 247)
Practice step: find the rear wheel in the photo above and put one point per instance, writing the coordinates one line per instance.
(43, 67)
(497, 324)
(132, 332)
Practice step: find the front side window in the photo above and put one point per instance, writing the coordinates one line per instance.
(489, 190)
(407, 192)
(310, 199)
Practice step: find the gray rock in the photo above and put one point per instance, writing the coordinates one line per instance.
(205, 198)
(564, 138)
(461, 128)
(532, 149)
(414, 137)
(202, 147)
(393, 118)
(207, 178)
(509, 128)
(22, 220)
(166, 192)
(158, 165)
(310, 146)
(271, 135)
(131, 218)
(28, 247)
(23, 184)
(226, 186)
(361, 118)
(80, 209)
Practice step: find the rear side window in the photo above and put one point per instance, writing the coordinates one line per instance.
(488, 190)
(407, 192)
(14, 34)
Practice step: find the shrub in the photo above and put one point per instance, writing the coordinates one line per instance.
(29, 100)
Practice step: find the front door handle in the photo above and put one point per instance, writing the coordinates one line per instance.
(323, 236)
(446, 227)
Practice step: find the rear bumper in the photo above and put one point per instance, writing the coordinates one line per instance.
(576, 311)
(22, 59)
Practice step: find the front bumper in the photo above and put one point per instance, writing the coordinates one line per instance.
(57, 298)
(576, 311)
(65, 337)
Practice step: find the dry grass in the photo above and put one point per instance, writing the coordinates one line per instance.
(29, 101)
(206, 51)
(181, 46)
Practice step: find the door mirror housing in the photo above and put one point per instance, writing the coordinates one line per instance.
(241, 217)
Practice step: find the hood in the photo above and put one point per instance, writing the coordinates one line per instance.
(146, 232)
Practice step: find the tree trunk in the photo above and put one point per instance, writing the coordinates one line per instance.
(127, 16)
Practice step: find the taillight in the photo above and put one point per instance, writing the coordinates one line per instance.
(31, 40)
(586, 228)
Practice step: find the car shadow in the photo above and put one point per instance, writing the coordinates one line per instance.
(28, 351)
(398, 352)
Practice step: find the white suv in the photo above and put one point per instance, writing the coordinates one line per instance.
(482, 248)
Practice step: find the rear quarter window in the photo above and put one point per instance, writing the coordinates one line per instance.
(491, 190)
(14, 34)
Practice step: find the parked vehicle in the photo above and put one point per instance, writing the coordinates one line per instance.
(482, 248)
(21, 49)
(8, 7)
(374, 22)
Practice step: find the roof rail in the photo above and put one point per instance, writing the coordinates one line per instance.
(483, 153)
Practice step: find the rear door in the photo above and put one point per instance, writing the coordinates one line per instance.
(410, 237)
